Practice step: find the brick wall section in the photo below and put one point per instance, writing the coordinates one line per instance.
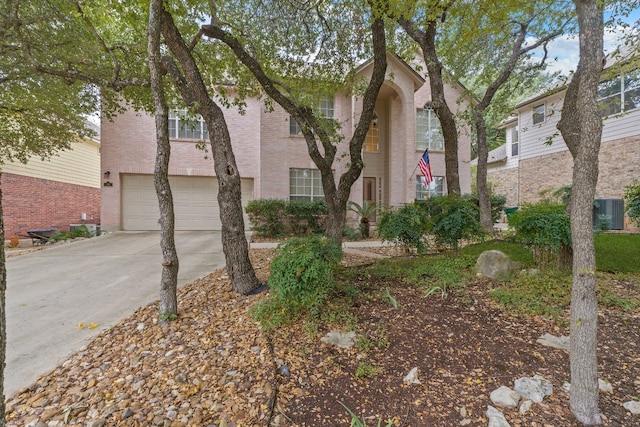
(619, 165)
(505, 183)
(30, 203)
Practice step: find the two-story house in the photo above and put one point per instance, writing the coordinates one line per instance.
(535, 160)
(56, 192)
(272, 155)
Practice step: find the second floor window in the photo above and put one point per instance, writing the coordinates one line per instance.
(538, 114)
(428, 130)
(183, 126)
(514, 141)
(325, 109)
(371, 142)
(621, 93)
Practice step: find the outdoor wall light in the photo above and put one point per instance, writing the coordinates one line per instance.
(107, 183)
(374, 120)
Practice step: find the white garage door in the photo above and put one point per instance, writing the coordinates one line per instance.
(194, 199)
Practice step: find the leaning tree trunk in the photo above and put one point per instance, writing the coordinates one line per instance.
(483, 189)
(3, 315)
(170, 263)
(581, 128)
(194, 91)
(439, 105)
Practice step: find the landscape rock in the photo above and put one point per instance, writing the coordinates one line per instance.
(632, 406)
(412, 377)
(561, 342)
(535, 388)
(495, 264)
(496, 418)
(525, 405)
(504, 397)
(340, 339)
(605, 386)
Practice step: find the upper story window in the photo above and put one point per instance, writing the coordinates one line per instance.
(428, 130)
(515, 136)
(305, 184)
(539, 112)
(325, 108)
(621, 93)
(184, 126)
(371, 142)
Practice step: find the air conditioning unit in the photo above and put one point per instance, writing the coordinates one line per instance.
(612, 208)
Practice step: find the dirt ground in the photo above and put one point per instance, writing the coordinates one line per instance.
(213, 366)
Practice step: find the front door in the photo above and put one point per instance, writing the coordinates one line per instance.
(369, 194)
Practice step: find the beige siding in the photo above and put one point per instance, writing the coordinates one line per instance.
(79, 165)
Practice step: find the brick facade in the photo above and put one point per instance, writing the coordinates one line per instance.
(30, 203)
(619, 162)
(505, 183)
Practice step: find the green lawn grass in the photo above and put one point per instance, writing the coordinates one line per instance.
(618, 253)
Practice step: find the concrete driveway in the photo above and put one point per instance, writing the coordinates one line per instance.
(100, 280)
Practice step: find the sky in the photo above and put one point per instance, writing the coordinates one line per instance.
(566, 48)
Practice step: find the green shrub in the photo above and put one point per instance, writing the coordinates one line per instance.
(266, 216)
(632, 201)
(602, 223)
(276, 217)
(405, 226)
(81, 231)
(301, 278)
(304, 216)
(457, 219)
(543, 227)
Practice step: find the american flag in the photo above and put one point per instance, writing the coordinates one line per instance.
(425, 167)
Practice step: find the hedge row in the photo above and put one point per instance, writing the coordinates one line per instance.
(277, 217)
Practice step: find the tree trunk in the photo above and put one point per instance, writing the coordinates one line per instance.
(439, 105)
(170, 263)
(336, 219)
(581, 128)
(3, 315)
(481, 181)
(194, 91)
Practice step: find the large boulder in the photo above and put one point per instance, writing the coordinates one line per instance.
(495, 264)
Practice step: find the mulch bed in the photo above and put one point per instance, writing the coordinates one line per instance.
(213, 365)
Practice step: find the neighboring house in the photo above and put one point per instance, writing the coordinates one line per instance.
(535, 160)
(55, 192)
(272, 155)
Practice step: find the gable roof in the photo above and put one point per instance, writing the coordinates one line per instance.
(418, 80)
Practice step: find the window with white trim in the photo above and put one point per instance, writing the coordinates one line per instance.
(619, 94)
(424, 191)
(185, 126)
(325, 109)
(305, 184)
(428, 130)
(539, 113)
(515, 133)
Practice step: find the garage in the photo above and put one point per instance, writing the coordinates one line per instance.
(194, 198)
